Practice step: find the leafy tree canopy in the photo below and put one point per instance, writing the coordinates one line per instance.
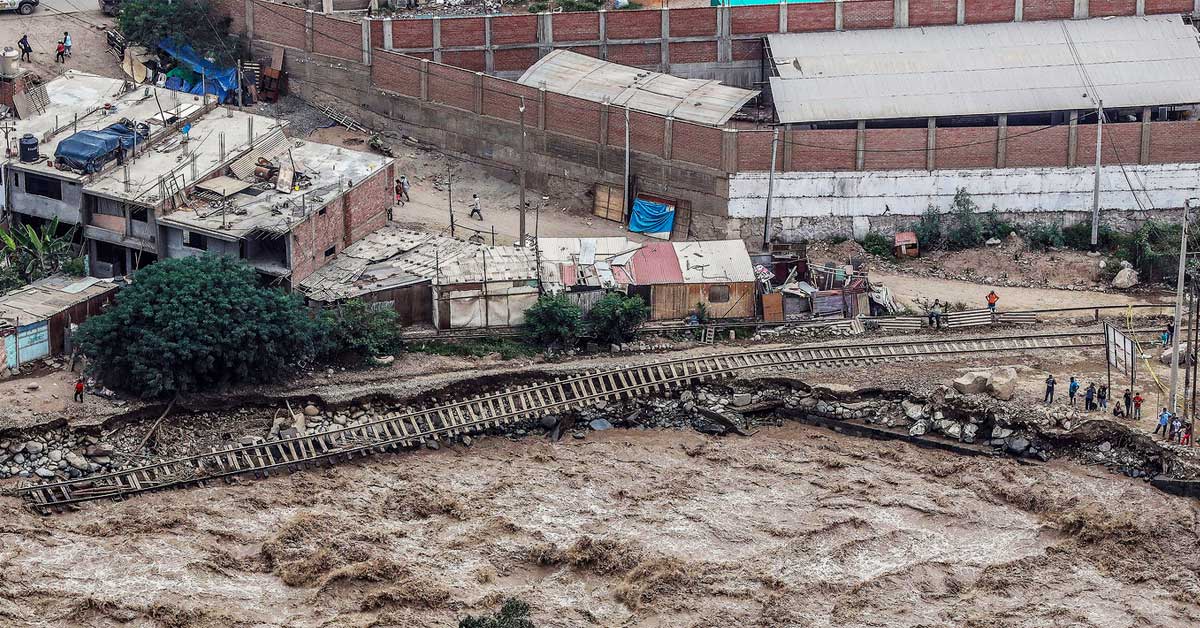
(193, 22)
(354, 327)
(190, 324)
(553, 321)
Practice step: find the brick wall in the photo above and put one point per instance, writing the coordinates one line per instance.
(693, 51)
(1035, 146)
(754, 150)
(474, 60)
(462, 31)
(337, 38)
(396, 73)
(514, 29)
(1049, 9)
(576, 26)
(412, 34)
(965, 147)
(753, 19)
(513, 60)
(861, 14)
(693, 22)
(1098, 8)
(822, 150)
(1168, 6)
(895, 149)
(646, 132)
(1172, 142)
(696, 144)
(311, 238)
(932, 12)
(635, 54)
(803, 18)
(502, 99)
(633, 24)
(1122, 143)
(747, 50)
(364, 206)
(452, 86)
(235, 10)
(573, 116)
(985, 11)
(280, 24)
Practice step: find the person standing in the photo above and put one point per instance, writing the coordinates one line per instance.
(1072, 389)
(1186, 439)
(1164, 418)
(404, 187)
(1128, 399)
(26, 49)
(79, 390)
(1050, 389)
(935, 314)
(67, 43)
(1170, 331)
(1102, 396)
(1137, 407)
(1089, 397)
(475, 210)
(59, 51)
(992, 297)
(1176, 429)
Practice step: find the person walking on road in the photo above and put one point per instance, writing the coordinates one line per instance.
(1102, 396)
(1050, 389)
(26, 49)
(1137, 407)
(66, 43)
(1072, 389)
(59, 51)
(1164, 418)
(992, 297)
(404, 187)
(475, 210)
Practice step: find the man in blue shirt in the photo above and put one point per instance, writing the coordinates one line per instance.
(1072, 388)
(1163, 420)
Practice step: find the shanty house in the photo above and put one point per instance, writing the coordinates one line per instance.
(35, 320)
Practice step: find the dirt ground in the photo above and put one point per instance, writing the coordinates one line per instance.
(794, 526)
(914, 291)
(45, 28)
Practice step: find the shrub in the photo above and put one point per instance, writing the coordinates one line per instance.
(1079, 236)
(553, 321)
(929, 229)
(1041, 236)
(193, 323)
(514, 614)
(616, 317)
(994, 227)
(76, 266)
(506, 348)
(355, 328)
(877, 244)
(968, 228)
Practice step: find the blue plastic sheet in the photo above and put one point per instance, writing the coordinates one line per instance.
(90, 150)
(219, 81)
(651, 218)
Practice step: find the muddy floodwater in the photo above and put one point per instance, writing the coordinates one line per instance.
(794, 526)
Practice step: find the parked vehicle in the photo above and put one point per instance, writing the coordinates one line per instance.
(24, 7)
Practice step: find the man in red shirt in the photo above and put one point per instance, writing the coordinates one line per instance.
(79, 390)
(1137, 406)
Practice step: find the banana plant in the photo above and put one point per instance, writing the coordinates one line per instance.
(33, 254)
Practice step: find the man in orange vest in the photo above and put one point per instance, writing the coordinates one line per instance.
(992, 297)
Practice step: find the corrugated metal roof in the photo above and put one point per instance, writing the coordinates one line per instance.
(656, 263)
(984, 68)
(694, 100)
(47, 297)
(714, 261)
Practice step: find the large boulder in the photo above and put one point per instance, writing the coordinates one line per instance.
(1169, 353)
(1127, 278)
(912, 409)
(1002, 382)
(971, 383)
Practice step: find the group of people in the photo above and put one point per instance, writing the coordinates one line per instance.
(1096, 398)
(1173, 428)
(61, 51)
(402, 188)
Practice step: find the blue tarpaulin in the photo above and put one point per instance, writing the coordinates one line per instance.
(90, 150)
(651, 218)
(220, 81)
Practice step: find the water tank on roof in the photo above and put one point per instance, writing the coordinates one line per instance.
(29, 148)
(8, 61)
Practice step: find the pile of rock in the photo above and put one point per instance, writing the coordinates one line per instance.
(54, 455)
(999, 382)
(311, 419)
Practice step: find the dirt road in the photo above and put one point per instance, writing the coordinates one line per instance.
(793, 527)
(907, 289)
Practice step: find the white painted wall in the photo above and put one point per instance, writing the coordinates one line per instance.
(909, 192)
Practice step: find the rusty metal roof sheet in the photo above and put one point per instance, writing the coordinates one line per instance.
(656, 263)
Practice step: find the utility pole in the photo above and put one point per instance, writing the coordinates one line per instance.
(1179, 306)
(1096, 186)
(625, 193)
(524, 165)
(450, 194)
(770, 193)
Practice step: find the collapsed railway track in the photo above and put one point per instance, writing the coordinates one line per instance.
(407, 428)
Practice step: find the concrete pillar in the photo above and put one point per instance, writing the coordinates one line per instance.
(542, 109)
(899, 13)
(931, 143)
(724, 43)
(545, 34)
(668, 130)
(961, 12)
(1019, 11)
(838, 23)
(783, 16)
(664, 41)
(489, 55)
(425, 79)
(366, 42)
(1072, 137)
(308, 31)
(1081, 9)
(1140, 8)
(1002, 140)
(437, 39)
(729, 154)
(786, 157)
(605, 116)
(478, 93)
(327, 6)
(860, 146)
(603, 14)
(250, 19)
(1196, 6)
(387, 34)
(1144, 154)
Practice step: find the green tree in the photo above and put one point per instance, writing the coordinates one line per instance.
(554, 321)
(929, 229)
(34, 254)
(357, 329)
(968, 228)
(514, 614)
(191, 324)
(193, 22)
(615, 318)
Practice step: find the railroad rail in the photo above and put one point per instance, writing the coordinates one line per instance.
(414, 426)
